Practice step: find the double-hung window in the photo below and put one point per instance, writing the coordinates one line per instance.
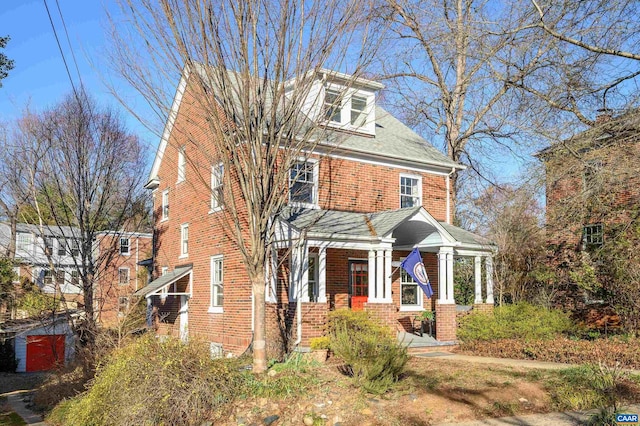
(124, 245)
(24, 241)
(182, 164)
(410, 294)
(332, 107)
(165, 205)
(48, 246)
(358, 110)
(217, 288)
(184, 240)
(410, 191)
(217, 194)
(62, 246)
(123, 305)
(303, 183)
(75, 247)
(123, 276)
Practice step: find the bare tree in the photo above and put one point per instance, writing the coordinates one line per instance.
(451, 63)
(252, 66)
(82, 174)
(6, 64)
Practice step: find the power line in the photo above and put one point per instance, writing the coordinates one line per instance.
(61, 52)
(73, 56)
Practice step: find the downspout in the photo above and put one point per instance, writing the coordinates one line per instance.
(448, 180)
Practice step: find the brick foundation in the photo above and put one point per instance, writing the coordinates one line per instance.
(445, 322)
(386, 313)
(486, 308)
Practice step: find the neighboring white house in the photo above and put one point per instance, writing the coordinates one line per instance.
(46, 256)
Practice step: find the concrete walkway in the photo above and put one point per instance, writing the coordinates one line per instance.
(17, 404)
(556, 419)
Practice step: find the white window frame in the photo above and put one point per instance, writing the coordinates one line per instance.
(48, 245)
(313, 279)
(362, 114)
(216, 287)
(406, 279)
(128, 246)
(128, 280)
(333, 108)
(164, 271)
(74, 278)
(62, 246)
(182, 164)
(345, 109)
(314, 195)
(418, 198)
(164, 212)
(217, 186)
(184, 240)
(24, 244)
(75, 247)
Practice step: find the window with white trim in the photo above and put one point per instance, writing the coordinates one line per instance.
(75, 278)
(124, 246)
(75, 247)
(182, 164)
(62, 246)
(593, 235)
(48, 277)
(123, 276)
(217, 287)
(48, 246)
(24, 242)
(303, 183)
(358, 110)
(332, 107)
(184, 239)
(313, 277)
(410, 191)
(217, 194)
(164, 271)
(165, 205)
(410, 293)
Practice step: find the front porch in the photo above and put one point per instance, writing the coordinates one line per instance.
(329, 260)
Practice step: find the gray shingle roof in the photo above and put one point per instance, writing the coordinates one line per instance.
(164, 280)
(464, 236)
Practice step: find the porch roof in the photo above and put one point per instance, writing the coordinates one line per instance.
(409, 227)
(164, 281)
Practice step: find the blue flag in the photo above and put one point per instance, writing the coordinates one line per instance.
(414, 267)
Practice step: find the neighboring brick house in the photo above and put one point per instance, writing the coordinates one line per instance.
(50, 258)
(362, 206)
(592, 182)
(123, 274)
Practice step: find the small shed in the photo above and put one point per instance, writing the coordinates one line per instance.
(40, 344)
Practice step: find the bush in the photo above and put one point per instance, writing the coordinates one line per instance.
(372, 357)
(518, 321)
(154, 382)
(318, 343)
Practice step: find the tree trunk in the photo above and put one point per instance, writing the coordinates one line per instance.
(259, 332)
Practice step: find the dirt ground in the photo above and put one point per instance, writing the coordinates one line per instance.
(433, 391)
(11, 382)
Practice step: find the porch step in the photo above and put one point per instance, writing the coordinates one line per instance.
(443, 347)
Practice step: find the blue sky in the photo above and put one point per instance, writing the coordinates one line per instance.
(39, 77)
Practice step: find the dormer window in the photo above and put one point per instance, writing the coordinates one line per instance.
(358, 110)
(332, 106)
(349, 109)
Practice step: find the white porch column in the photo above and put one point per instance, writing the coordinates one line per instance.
(477, 274)
(387, 276)
(304, 273)
(322, 275)
(450, 278)
(442, 277)
(372, 275)
(379, 275)
(295, 273)
(489, 268)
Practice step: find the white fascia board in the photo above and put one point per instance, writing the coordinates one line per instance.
(168, 127)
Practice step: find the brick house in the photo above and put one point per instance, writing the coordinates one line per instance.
(123, 273)
(592, 182)
(356, 211)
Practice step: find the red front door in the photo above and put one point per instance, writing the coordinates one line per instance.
(358, 284)
(44, 352)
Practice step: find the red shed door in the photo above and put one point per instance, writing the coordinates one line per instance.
(44, 352)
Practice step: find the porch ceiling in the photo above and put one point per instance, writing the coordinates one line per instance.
(155, 287)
